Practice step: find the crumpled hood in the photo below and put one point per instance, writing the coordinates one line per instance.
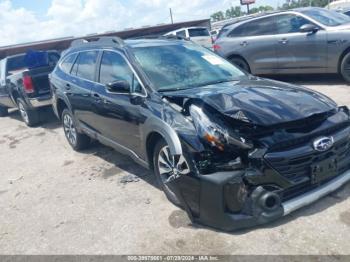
(263, 102)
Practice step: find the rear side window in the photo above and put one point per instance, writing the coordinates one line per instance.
(263, 26)
(85, 65)
(67, 63)
(193, 32)
(290, 23)
(181, 34)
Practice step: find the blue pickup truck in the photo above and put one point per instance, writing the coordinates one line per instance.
(24, 83)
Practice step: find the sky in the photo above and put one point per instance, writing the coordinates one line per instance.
(33, 20)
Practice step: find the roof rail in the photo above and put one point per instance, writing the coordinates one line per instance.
(170, 37)
(98, 40)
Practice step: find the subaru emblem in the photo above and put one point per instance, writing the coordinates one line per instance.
(323, 144)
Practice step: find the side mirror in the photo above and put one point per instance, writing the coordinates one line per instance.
(121, 87)
(308, 28)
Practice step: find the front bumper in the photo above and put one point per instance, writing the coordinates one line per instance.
(212, 211)
(314, 195)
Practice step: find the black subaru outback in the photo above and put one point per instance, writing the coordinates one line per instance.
(231, 149)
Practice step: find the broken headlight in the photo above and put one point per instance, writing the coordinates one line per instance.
(217, 135)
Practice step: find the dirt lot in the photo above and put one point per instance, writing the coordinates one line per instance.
(56, 201)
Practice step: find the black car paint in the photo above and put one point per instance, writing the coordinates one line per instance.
(278, 127)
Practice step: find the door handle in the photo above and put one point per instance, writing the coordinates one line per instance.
(283, 41)
(244, 43)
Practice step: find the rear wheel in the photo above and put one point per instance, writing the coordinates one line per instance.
(345, 67)
(77, 140)
(240, 63)
(168, 167)
(3, 111)
(30, 117)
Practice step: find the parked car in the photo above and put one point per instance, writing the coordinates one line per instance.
(199, 35)
(233, 150)
(338, 5)
(24, 83)
(300, 41)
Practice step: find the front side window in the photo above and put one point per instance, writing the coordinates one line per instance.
(67, 63)
(184, 66)
(290, 23)
(262, 26)
(85, 65)
(115, 68)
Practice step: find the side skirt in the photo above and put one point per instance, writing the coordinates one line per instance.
(111, 143)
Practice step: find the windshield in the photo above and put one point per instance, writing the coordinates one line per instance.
(327, 17)
(183, 66)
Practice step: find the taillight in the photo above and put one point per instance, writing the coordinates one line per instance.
(216, 47)
(28, 84)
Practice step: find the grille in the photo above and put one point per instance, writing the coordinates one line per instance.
(296, 166)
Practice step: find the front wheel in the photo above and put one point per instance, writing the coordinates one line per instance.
(345, 68)
(76, 140)
(167, 168)
(30, 117)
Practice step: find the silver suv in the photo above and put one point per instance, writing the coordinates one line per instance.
(300, 41)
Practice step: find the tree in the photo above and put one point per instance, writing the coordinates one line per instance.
(218, 16)
(303, 3)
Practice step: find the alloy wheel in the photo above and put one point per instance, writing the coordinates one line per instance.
(69, 129)
(23, 112)
(171, 167)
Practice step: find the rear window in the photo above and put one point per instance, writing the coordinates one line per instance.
(193, 32)
(16, 63)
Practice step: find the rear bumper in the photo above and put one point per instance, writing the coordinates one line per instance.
(40, 101)
(212, 210)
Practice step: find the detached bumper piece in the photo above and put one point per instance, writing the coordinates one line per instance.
(223, 201)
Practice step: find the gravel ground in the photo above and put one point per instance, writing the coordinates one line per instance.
(56, 201)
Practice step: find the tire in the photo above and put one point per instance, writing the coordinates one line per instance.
(30, 117)
(237, 61)
(158, 158)
(3, 111)
(76, 140)
(345, 68)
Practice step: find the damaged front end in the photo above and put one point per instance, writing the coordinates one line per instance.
(236, 179)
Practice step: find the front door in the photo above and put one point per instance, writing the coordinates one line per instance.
(299, 52)
(117, 114)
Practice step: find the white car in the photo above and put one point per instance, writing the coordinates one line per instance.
(339, 5)
(199, 35)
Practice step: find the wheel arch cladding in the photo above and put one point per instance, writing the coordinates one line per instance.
(61, 105)
(156, 128)
(344, 53)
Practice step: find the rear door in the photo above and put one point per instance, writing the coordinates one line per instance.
(255, 41)
(299, 52)
(78, 88)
